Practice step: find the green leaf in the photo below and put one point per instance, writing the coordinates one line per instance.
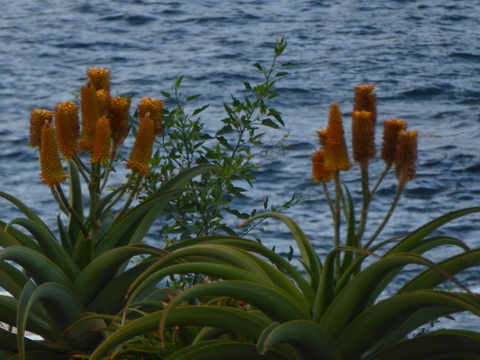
(216, 350)
(37, 265)
(270, 123)
(309, 339)
(29, 213)
(235, 320)
(50, 246)
(357, 294)
(309, 256)
(258, 66)
(199, 110)
(446, 344)
(276, 304)
(411, 240)
(384, 317)
(432, 277)
(76, 203)
(101, 270)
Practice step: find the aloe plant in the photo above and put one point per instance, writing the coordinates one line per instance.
(67, 285)
(332, 306)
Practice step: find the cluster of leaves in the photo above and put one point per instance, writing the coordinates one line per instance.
(234, 148)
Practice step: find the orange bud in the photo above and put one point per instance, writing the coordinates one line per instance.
(320, 170)
(405, 157)
(90, 115)
(391, 128)
(100, 78)
(363, 137)
(143, 147)
(101, 144)
(50, 164)
(153, 107)
(322, 137)
(37, 120)
(366, 100)
(68, 128)
(336, 155)
(118, 113)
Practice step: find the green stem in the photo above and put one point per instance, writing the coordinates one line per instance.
(366, 203)
(94, 189)
(380, 179)
(385, 220)
(66, 205)
(130, 198)
(58, 200)
(328, 198)
(336, 221)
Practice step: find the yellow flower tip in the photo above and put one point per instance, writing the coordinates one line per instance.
(142, 148)
(101, 143)
(118, 113)
(90, 114)
(51, 167)
(38, 119)
(320, 170)
(68, 128)
(336, 155)
(365, 99)
(322, 137)
(391, 128)
(155, 108)
(363, 137)
(99, 77)
(406, 157)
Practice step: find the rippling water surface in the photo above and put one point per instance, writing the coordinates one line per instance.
(424, 56)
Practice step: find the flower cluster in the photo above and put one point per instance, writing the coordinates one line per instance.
(100, 129)
(399, 146)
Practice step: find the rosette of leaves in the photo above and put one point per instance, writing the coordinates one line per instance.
(66, 287)
(255, 304)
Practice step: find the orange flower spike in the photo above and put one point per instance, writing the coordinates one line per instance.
(68, 128)
(322, 137)
(103, 97)
(320, 170)
(90, 115)
(153, 107)
(100, 78)
(118, 113)
(336, 155)
(406, 157)
(366, 100)
(101, 144)
(38, 119)
(143, 147)
(363, 138)
(391, 128)
(51, 167)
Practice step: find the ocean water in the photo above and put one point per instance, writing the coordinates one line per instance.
(424, 56)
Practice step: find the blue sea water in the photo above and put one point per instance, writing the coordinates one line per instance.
(424, 56)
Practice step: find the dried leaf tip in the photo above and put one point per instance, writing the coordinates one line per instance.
(50, 165)
(38, 119)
